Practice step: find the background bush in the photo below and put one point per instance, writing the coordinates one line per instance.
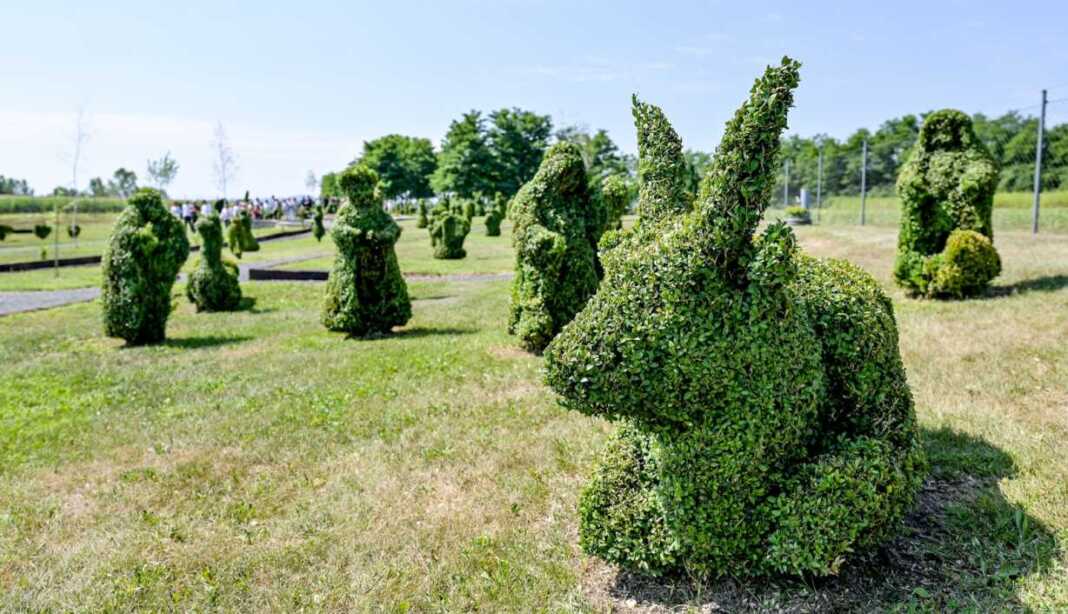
(213, 284)
(448, 229)
(555, 234)
(239, 234)
(365, 293)
(48, 204)
(947, 185)
(766, 422)
(141, 261)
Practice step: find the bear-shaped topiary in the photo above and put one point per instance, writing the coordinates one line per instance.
(945, 245)
(365, 293)
(448, 229)
(555, 234)
(767, 425)
(141, 261)
(213, 284)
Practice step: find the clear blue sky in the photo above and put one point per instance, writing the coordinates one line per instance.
(299, 86)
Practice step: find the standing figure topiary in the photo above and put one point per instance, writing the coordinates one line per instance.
(213, 285)
(946, 244)
(767, 425)
(495, 215)
(239, 234)
(141, 260)
(448, 229)
(318, 229)
(615, 197)
(555, 237)
(422, 221)
(365, 293)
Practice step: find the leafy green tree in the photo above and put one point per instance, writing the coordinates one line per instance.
(404, 165)
(163, 171)
(329, 187)
(123, 182)
(18, 187)
(518, 140)
(98, 188)
(466, 163)
(213, 284)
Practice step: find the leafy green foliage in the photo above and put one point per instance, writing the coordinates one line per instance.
(766, 422)
(239, 234)
(518, 140)
(797, 215)
(5, 230)
(328, 186)
(404, 165)
(555, 237)
(495, 215)
(41, 231)
(469, 209)
(318, 230)
(615, 199)
(422, 221)
(448, 229)
(466, 162)
(73, 230)
(365, 293)
(140, 264)
(213, 284)
(947, 185)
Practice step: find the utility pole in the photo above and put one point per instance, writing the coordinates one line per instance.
(819, 182)
(786, 184)
(1038, 166)
(863, 180)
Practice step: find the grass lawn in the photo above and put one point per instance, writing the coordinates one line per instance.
(257, 462)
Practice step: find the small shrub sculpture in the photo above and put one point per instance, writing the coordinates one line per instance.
(448, 229)
(469, 209)
(239, 234)
(797, 216)
(5, 230)
(365, 294)
(614, 198)
(495, 215)
(946, 242)
(141, 260)
(422, 221)
(767, 426)
(74, 230)
(41, 231)
(555, 233)
(213, 284)
(318, 229)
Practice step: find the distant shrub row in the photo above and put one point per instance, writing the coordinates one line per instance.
(47, 204)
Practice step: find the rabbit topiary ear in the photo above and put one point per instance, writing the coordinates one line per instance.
(738, 185)
(662, 189)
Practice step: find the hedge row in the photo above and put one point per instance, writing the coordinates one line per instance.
(47, 204)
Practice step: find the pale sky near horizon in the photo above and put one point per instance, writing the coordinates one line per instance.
(300, 88)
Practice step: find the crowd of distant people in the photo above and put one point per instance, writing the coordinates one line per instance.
(290, 209)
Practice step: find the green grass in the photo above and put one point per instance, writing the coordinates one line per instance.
(257, 462)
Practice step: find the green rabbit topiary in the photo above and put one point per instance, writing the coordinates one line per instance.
(555, 237)
(766, 423)
(365, 293)
(213, 284)
(141, 261)
(945, 246)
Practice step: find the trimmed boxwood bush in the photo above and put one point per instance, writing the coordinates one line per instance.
(555, 233)
(946, 187)
(365, 293)
(239, 234)
(422, 221)
(141, 260)
(318, 229)
(213, 284)
(797, 215)
(495, 215)
(448, 229)
(766, 423)
(615, 197)
(41, 231)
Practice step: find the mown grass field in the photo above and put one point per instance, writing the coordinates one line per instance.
(256, 462)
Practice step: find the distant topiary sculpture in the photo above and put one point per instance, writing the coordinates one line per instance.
(767, 426)
(365, 293)
(614, 198)
(141, 260)
(495, 216)
(448, 229)
(555, 237)
(213, 285)
(945, 246)
(318, 229)
(239, 234)
(422, 221)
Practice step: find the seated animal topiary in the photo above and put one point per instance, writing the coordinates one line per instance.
(448, 229)
(495, 216)
(213, 284)
(555, 237)
(365, 294)
(767, 425)
(945, 245)
(422, 221)
(141, 260)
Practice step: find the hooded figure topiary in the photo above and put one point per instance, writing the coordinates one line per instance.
(555, 234)
(945, 246)
(239, 234)
(213, 284)
(365, 293)
(448, 229)
(495, 216)
(141, 260)
(767, 426)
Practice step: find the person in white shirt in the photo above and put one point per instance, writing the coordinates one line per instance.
(176, 210)
(187, 214)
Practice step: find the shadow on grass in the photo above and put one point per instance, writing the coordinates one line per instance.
(964, 546)
(207, 341)
(422, 331)
(1047, 283)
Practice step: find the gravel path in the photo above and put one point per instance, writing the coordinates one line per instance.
(16, 302)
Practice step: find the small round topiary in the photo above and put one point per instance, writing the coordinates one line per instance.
(946, 185)
(141, 261)
(767, 425)
(213, 284)
(448, 229)
(365, 293)
(555, 234)
(41, 231)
